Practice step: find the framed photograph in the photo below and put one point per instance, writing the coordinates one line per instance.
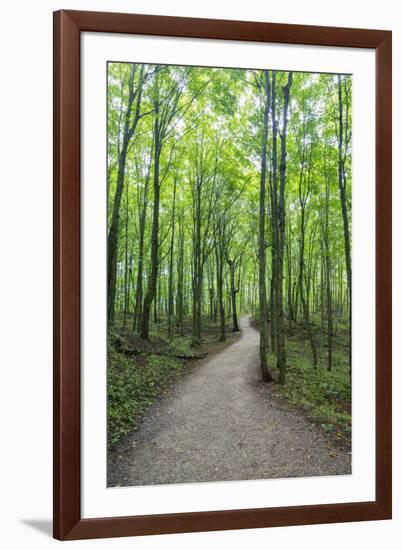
(222, 274)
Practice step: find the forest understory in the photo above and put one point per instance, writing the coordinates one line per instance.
(140, 371)
(324, 396)
(229, 203)
(216, 421)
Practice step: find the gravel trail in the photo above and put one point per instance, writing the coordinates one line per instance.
(220, 423)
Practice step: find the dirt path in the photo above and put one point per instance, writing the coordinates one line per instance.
(219, 423)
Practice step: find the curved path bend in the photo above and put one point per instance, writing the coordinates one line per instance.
(219, 423)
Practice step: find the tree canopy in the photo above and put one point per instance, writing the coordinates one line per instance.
(229, 191)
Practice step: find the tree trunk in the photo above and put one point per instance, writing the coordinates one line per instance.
(126, 264)
(180, 277)
(280, 344)
(197, 274)
(262, 254)
(151, 289)
(303, 298)
(219, 284)
(170, 289)
(346, 233)
(139, 289)
(327, 256)
(233, 292)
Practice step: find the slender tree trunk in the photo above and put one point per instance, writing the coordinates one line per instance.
(141, 236)
(139, 288)
(274, 222)
(343, 197)
(272, 295)
(289, 284)
(211, 302)
(180, 277)
(170, 289)
(197, 275)
(130, 282)
(233, 292)
(219, 281)
(126, 264)
(303, 298)
(211, 289)
(151, 289)
(327, 256)
(280, 344)
(262, 253)
(329, 309)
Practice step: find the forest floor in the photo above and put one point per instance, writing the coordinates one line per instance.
(139, 371)
(219, 423)
(323, 396)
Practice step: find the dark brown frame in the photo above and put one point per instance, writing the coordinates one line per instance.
(68, 26)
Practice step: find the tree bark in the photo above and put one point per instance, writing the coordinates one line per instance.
(197, 273)
(280, 343)
(219, 280)
(233, 292)
(343, 198)
(327, 256)
(151, 290)
(262, 254)
(170, 289)
(180, 276)
(303, 298)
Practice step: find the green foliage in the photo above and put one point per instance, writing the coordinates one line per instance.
(133, 385)
(324, 395)
(214, 141)
(203, 186)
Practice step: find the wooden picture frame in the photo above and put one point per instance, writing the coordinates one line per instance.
(68, 26)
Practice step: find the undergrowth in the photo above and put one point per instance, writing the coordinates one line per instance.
(324, 395)
(133, 385)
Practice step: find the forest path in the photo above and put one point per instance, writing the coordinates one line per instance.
(220, 423)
